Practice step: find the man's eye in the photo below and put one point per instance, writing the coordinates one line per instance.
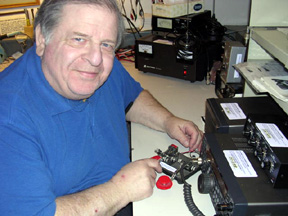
(108, 46)
(79, 39)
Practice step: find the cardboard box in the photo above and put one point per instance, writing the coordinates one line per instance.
(175, 10)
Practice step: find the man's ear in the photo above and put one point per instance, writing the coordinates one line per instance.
(40, 41)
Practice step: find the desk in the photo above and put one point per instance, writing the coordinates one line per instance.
(164, 202)
(186, 100)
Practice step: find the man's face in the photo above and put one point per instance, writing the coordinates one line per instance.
(79, 57)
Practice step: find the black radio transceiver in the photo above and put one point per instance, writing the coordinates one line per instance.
(234, 195)
(268, 134)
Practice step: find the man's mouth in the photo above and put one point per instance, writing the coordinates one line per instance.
(88, 74)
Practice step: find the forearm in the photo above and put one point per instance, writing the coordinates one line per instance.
(148, 111)
(99, 200)
(135, 181)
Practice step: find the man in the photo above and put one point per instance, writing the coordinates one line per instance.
(63, 138)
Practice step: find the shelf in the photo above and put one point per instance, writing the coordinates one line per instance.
(273, 41)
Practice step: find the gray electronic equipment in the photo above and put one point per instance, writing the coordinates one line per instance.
(234, 53)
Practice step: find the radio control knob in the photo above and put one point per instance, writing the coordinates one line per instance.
(258, 154)
(247, 132)
(206, 182)
(252, 142)
(265, 164)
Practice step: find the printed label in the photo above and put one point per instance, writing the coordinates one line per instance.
(239, 163)
(272, 134)
(233, 111)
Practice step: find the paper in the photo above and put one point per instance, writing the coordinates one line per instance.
(239, 163)
(273, 135)
(233, 111)
(265, 76)
(278, 85)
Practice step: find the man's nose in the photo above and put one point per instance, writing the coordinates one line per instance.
(94, 55)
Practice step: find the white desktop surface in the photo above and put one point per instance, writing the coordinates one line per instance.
(164, 202)
(186, 100)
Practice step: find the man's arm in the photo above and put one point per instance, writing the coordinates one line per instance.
(148, 111)
(133, 182)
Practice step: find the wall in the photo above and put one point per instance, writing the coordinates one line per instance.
(230, 12)
(227, 12)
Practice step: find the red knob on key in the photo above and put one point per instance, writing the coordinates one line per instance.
(157, 157)
(164, 183)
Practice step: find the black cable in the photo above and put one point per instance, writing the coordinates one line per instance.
(189, 200)
(132, 26)
(142, 14)
(188, 196)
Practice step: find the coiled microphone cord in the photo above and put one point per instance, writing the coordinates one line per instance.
(188, 196)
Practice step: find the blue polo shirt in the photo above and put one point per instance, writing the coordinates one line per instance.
(52, 146)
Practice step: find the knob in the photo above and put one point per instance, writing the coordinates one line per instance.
(258, 153)
(206, 182)
(252, 142)
(247, 133)
(265, 164)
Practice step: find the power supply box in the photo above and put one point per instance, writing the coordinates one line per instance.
(154, 54)
(228, 115)
(235, 181)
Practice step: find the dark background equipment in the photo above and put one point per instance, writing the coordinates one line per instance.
(182, 47)
(154, 55)
(165, 26)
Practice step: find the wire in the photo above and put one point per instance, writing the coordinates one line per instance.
(126, 55)
(135, 11)
(188, 195)
(189, 200)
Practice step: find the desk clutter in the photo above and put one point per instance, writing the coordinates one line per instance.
(176, 8)
(6, 63)
(16, 34)
(12, 46)
(266, 76)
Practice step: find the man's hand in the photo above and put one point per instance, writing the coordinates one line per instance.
(137, 179)
(185, 132)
